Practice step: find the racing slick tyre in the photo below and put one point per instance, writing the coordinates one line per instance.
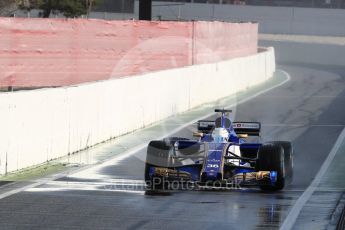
(288, 158)
(271, 158)
(157, 155)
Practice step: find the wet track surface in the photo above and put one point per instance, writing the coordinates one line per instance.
(308, 110)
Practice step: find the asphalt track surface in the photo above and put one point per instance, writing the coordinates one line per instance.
(307, 110)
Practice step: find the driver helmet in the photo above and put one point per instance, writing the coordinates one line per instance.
(220, 135)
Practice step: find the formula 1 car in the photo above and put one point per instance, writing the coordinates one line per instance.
(221, 157)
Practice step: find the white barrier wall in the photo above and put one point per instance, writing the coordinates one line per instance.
(276, 20)
(40, 125)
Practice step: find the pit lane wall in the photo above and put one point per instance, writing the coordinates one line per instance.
(272, 19)
(58, 52)
(40, 125)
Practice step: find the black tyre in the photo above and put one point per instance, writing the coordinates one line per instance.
(271, 158)
(157, 155)
(288, 158)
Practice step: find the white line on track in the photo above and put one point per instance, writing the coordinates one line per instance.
(134, 150)
(301, 125)
(87, 188)
(290, 220)
(299, 97)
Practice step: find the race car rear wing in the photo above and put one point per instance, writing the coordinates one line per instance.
(249, 128)
(206, 126)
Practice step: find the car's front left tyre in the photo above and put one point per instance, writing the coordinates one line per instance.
(271, 158)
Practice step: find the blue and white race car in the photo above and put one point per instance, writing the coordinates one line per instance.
(221, 157)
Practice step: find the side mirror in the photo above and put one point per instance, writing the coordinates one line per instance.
(242, 135)
(198, 134)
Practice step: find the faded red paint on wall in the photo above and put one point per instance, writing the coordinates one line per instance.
(58, 52)
(216, 41)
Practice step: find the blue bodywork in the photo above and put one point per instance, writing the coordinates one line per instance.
(217, 162)
(213, 168)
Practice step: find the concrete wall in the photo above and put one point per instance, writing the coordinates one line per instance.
(37, 126)
(284, 20)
